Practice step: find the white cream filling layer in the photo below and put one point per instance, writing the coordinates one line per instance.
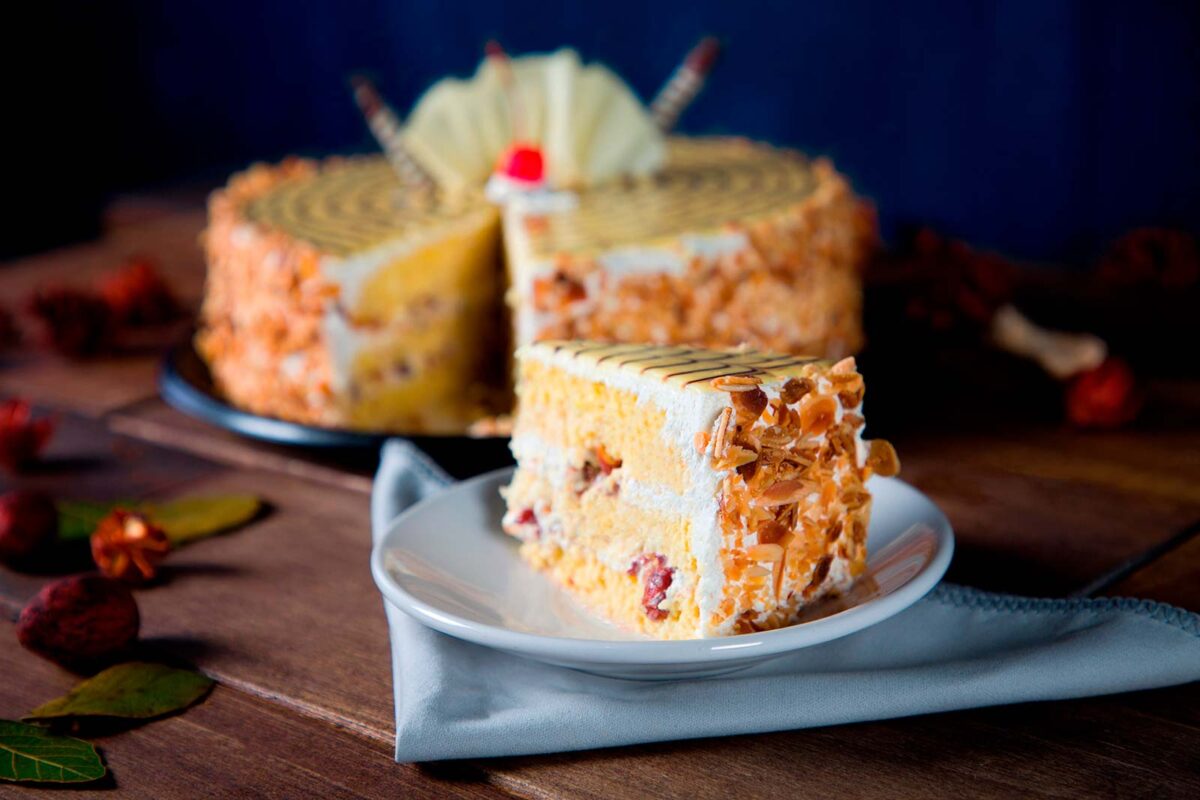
(669, 258)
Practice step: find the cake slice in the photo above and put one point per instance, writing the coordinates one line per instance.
(689, 493)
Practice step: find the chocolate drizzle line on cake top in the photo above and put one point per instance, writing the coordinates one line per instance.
(704, 365)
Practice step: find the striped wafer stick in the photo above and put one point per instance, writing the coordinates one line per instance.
(495, 51)
(385, 126)
(685, 84)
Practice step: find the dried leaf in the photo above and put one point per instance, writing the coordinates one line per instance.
(30, 753)
(196, 517)
(136, 690)
(184, 520)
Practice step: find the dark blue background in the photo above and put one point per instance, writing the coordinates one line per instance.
(1040, 128)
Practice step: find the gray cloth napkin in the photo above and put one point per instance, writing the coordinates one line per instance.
(958, 648)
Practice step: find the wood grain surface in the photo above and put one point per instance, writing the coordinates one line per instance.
(283, 613)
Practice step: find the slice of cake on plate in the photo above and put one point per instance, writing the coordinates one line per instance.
(689, 493)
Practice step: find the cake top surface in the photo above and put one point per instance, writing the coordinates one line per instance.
(353, 205)
(679, 366)
(706, 183)
(349, 206)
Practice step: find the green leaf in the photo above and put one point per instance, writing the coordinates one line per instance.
(136, 690)
(184, 520)
(30, 753)
(196, 517)
(78, 518)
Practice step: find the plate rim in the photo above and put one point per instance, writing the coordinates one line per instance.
(184, 395)
(657, 652)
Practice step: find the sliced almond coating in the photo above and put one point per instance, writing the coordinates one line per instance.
(720, 433)
(764, 552)
(735, 383)
(882, 458)
(846, 365)
(749, 405)
(784, 492)
(735, 457)
(817, 413)
(795, 389)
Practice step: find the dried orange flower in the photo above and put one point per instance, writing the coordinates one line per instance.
(128, 547)
(138, 295)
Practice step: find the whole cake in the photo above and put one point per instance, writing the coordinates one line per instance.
(689, 493)
(342, 294)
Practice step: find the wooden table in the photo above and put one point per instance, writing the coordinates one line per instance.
(285, 616)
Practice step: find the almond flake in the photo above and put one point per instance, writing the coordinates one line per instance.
(764, 552)
(735, 383)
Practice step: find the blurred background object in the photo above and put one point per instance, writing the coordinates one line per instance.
(1043, 130)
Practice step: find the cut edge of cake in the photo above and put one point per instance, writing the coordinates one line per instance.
(690, 493)
(395, 333)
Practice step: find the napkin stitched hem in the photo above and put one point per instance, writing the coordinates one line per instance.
(967, 597)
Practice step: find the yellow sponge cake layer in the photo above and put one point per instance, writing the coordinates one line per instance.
(684, 492)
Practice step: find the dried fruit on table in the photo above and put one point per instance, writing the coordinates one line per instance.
(1154, 256)
(956, 286)
(79, 621)
(28, 520)
(10, 334)
(1104, 397)
(138, 295)
(74, 322)
(22, 438)
(128, 547)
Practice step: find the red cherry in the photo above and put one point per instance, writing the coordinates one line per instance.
(523, 162)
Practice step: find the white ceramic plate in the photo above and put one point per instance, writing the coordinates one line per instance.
(447, 563)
